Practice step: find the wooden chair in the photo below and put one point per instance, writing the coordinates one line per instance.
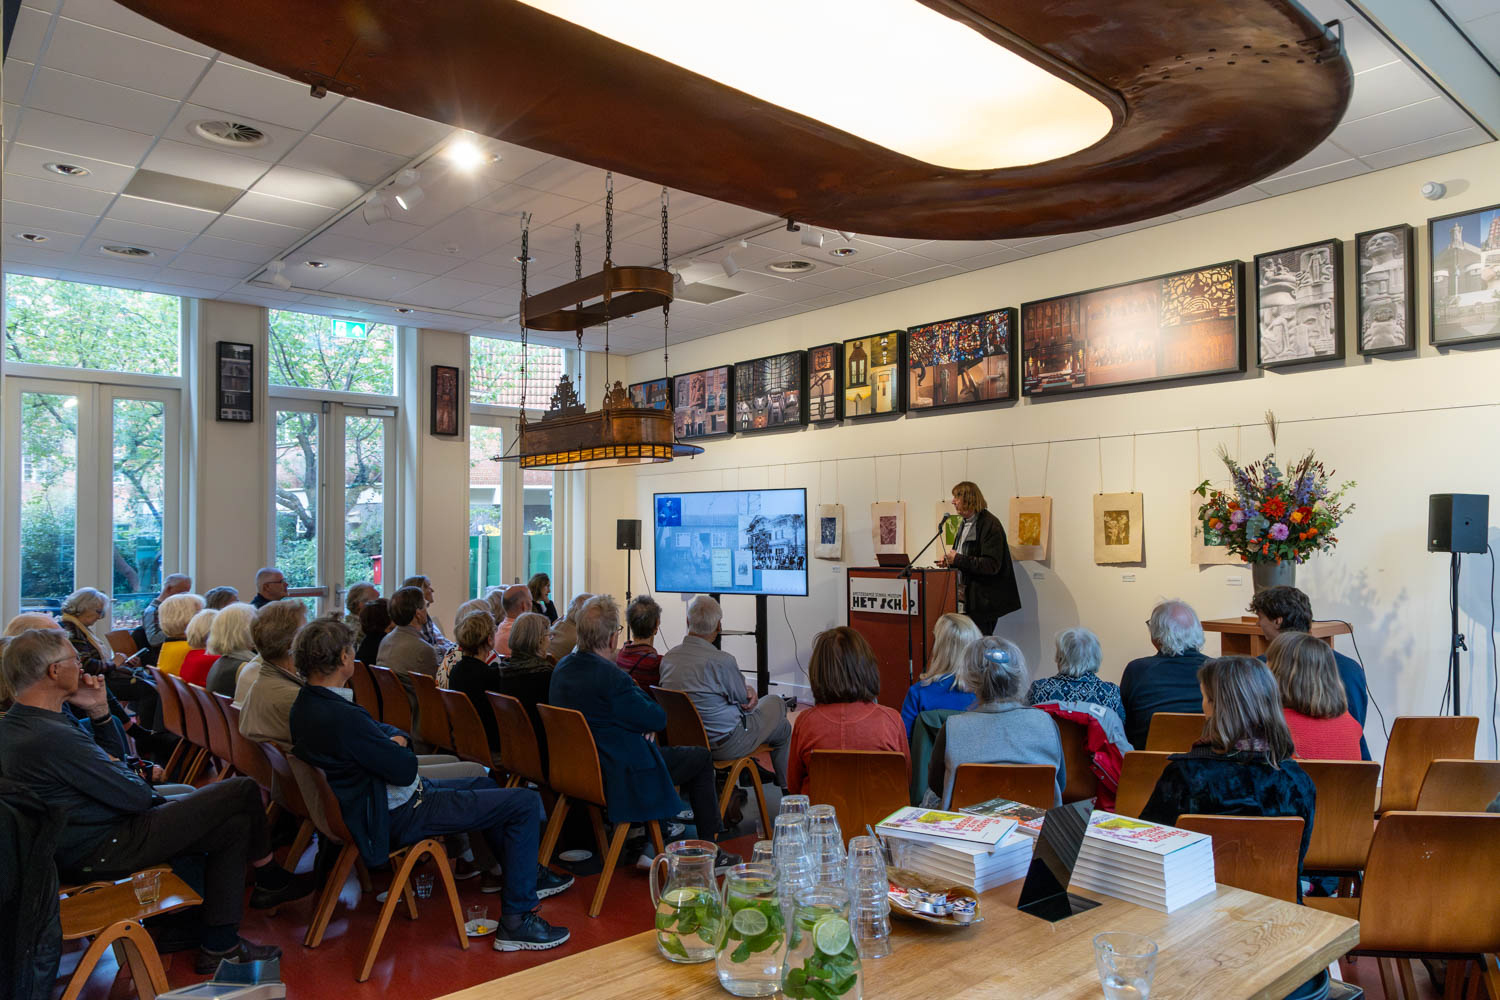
(121, 641)
(400, 889)
(245, 754)
(1174, 732)
(1255, 853)
(1459, 786)
(1138, 777)
(172, 720)
(395, 707)
(1416, 741)
(108, 913)
(287, 794)
(1429, 891)
(432, 715)
(1032, 784)
(194, 726)
(1082, 782)
(469, 739)
(216, 729)
(575, 775)
(520, 753)
(863, 786)
(1345, 815)
(366, 694)
(685, 729)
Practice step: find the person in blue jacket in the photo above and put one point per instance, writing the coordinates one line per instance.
(951, 639)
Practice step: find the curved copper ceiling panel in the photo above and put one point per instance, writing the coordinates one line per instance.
(1208, 97)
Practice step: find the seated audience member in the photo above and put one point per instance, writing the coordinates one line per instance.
(116, 823)
(736, 719)
(951, 639)
(220, 598)
(526, 675)
(639, 657)
(1312, 698)
(270, 585)
(515, 601)
(115, 720)
(174, 584)
(198, 661)
(1287, 609)
(386, 804)
(845, 682)
(431, 633)
(451, 657)
(1077, 677)
(354, 599)
(540, 586)
(175, 614)
(282, 619)
(638, 775)
(267, 707)
(403, 649)
(999, 729)
(80, 612)
(374, 623)
(1167, 681)
(475, 674)
(230, 640)
(564, 632)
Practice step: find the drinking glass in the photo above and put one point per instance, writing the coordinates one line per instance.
(147, 886)
(421, 885)
(479, 916)
(870, 904)
(1126, 963)
(749, 959)
(823, 809)
(793, 805)
(763, 853)
(826, 846)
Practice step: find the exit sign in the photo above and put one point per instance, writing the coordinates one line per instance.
(348, 329)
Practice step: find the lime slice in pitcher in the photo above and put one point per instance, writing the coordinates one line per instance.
(831, 935)
(750, 922)
(680, 897)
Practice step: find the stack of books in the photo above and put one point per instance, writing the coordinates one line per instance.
(1145, 863)
(964, 848)
(1028, 818)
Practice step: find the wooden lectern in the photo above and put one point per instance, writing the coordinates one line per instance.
(878, 608)
(1241, 636)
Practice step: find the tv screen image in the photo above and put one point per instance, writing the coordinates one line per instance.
(732, 542)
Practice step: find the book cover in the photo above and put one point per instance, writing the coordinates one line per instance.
(937, 826)
(1139, 835)
(1028, 818)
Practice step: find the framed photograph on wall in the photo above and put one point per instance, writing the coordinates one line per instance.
(1299, 304)
(1465, 258)
(702, 402)
(1173, 326)
(1385, 289)
(236, 382)
(962, 361)
(825, 384)
(770, 392)
(872, 375)
(652, 394)
(445, 397)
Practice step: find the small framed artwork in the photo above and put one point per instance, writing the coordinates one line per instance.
(888, 528)
(1117, 527)
(653, 394)
(830, 543)
(445, 397)
(1465, 299)
(236, 386)
(1206, 547)
(872, 375)
(1030, 527)
(770, 392)
(1299, 304)
(959, 362)
(702, 402)
(1385, 289)
(825, 385)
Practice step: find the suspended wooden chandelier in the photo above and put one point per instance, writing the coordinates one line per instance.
(568, 435)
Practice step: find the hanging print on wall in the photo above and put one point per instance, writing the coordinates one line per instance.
(888, 527)
(872, 375)
(1117, 528)
(1385, 289)
(830, 536)
(1030, 529)
(1210, 550)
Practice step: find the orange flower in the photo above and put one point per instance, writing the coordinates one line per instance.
(1265, 549)
(1214, 523)
(1295, 517)
(1312, 531)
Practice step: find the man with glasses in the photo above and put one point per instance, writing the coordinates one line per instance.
(270, 585)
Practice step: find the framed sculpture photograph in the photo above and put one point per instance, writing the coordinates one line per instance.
(830, 537)
(888, 528)
(445, 400)
(1029, 528)
(1465, 258)
(1117, 528)
(962, 361)
(872, 375)
(1299, 304)
(825, 385)
(236, 382)
(1206, 550)
(770, 392)
(1174, 326)
(702, 402)
(1385, 290)
(652, 394)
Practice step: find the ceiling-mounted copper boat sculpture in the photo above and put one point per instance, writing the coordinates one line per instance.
(1198, 99)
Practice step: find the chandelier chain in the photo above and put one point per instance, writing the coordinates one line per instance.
(666, 309)
(525, 351)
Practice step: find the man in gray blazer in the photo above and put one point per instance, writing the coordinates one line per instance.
(403, 649)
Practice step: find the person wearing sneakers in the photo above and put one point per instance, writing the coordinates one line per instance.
(373, 772)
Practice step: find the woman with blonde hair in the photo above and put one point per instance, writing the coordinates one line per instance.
(1312, 698)
(173, 616)
(951, 638)
(198, 661)
(229, 639)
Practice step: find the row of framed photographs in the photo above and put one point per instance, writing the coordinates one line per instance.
(1188, 324)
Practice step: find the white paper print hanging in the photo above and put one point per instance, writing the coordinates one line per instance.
(888, 527)
(1210, 550)
(1030, 527)
(1117, 527)
(830, 543)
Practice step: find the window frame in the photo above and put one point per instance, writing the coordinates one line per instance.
(315, 395)
(41, 370)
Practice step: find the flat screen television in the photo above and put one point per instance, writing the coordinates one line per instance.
(732, 542)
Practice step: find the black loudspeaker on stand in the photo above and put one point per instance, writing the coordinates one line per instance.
(1457, 523)
(628, 537)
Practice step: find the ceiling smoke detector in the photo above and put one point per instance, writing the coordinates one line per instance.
(223, 132)
(790, 266)
(128, 252)
(67, 169)
(31, 237)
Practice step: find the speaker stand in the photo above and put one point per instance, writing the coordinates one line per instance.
(627, 577)
(1458, 637)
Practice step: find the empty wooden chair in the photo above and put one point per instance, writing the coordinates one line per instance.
(1459, 786)
(1033, 784)
(432, 715)
(1138, 776)
(575, 777)
(395, 707)
(245, 754)
(108, 913)
(1174, 732)
(469, 739)
(287, 795)
(1255, 853)
(685, 729)
(1082, 782)
(863, 786)
(366, 694)
(520, 751)
(1416, 741)
(194, 726)
(1345, 815)
(172, 720)
(121, 641)
(215, 728)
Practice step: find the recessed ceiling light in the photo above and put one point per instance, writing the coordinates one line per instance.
(403, 310)
(317, 263)
(465, 154)
(529, 260)
(224, 132)
(67, 169)
(843, 252)
(31, 237)
(791, 266)
(128, 252)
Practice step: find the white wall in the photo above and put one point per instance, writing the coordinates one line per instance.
(1403, 426)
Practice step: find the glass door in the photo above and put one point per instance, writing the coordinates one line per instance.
(506, 550)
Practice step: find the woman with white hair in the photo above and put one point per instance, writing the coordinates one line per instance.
(198, 661)
(81, 611)
(999, 729)
(1077, 677)
(951, 638)
(229, 639)
(172, 617)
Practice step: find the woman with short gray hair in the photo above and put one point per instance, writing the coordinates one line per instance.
(1077, 677)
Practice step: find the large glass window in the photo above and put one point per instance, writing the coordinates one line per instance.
(138, 506)
(319, 352)
(53, 322)
(495, 372)
(486, 505)
(364, 498)
(537, 488)
(49, 498)
(296, 473)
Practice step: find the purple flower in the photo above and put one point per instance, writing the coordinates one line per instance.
(1279, 532)
(1237, 518)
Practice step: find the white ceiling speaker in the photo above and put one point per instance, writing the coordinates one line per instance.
(731, 268)
(812, 237)
(1433, 190)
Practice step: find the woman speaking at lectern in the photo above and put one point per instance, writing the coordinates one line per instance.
(981, 554)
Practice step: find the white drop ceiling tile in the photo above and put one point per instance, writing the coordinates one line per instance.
(949, 251)
(723, 219)
(894, 242)
(308, 187)
(791, 291)
(361, 164)
(31, 161)
(57, 242)
(1233, 199)
(37, 261)
(15, 76)
(888, 285)
(1486, 32)
(1385, 88)
(281, 211)
(1436, 146)
(102, 54)
(1413, 123)
(116, 17)
(577, 181)
(843, 278)
(372, 125)
(198, 280)
(96, 101)
(407, 259)
(1312, 178)
(102, 142)
(214, 246)
(251, 231)
(278, 139)
(494, 275)
(155, 237)
(26, 39)
(991, 259)
(515, 161)
(545, 208)
(1469, 10)
(1145, 223)
(304, 276)
(158, 213)
(387, 231)
(781, 239)
(1322, 155)
(1364, 46)
(445, 293)
(46, 219)
(472, 234)
(934, 273)
(744, 280)
(377, 282)
(896, 265)
(330, 244)
(69, 198)
(267, 98)
(184, 159)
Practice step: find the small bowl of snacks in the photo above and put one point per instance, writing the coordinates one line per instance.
(919, 898)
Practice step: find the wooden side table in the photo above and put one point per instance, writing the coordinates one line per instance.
(1241, 636)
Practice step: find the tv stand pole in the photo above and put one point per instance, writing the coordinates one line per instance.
(761, 634)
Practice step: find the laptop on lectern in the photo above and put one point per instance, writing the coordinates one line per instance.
(1045, 893)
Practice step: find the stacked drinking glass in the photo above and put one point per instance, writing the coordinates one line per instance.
(826, 846)
(794, 868)
(869, 906)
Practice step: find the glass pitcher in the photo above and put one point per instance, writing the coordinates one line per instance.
(821, 961)
(689, 912)
(749, 960)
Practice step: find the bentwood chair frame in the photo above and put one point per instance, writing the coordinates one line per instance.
(121, 641)
(685, 729)
(1459, 786)
(863, 786)
(245, 754)
(1416, 741)
(215, 728)
(1255, 853)
(366, 694)
(576, 776)
(432, 715)
(109, 913)
(1174, 732)
(1139, 774)
(286, 795)
(469, 739)
(520, 749)
(395, 706)
(1030, 784)
(184, 753)
(194, 726)
(1345, 819)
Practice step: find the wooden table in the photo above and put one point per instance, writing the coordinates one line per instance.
(1235, 945)
(1241, 636)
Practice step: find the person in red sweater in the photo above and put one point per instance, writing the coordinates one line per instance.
(639, 657)
(1313, 699)
(845, 683)
(198, 661)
